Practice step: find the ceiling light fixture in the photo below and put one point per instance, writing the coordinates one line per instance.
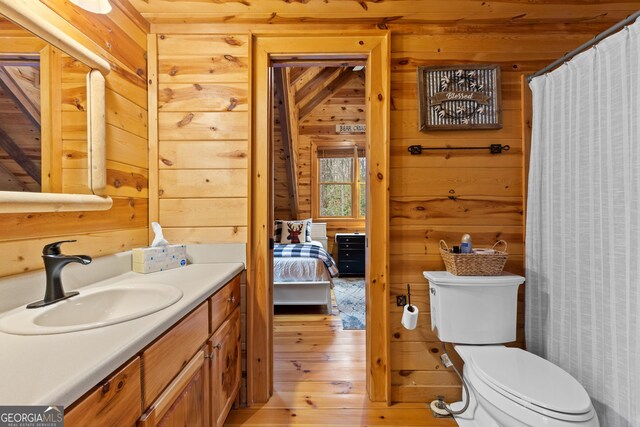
(95, 6)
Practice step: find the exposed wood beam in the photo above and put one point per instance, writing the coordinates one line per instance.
(7, 176)
(13, 90)
(19, 156)
(132, 13)
(327, 92)
(282, 100)
(295, 73)
(319, 81)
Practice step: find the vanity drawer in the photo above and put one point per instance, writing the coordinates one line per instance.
(116, 401)
(165, 358)
(224, 302)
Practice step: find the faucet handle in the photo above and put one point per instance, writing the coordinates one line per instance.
(54, 248)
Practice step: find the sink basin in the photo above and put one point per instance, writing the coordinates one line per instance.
(93, 308)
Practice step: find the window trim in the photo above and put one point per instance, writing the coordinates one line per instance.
(355, 183)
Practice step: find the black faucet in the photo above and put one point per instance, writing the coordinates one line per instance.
(54, 262)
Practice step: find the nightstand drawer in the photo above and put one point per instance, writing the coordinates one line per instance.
(359, 246)
(350, 239)
(348, 267)
(351, 255)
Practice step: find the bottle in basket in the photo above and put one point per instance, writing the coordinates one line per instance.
(465, 244)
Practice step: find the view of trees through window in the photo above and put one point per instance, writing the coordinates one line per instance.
(339, 185)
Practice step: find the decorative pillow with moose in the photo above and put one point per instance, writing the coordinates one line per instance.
(296, 231)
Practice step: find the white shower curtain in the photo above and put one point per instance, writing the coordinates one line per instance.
(583, 224)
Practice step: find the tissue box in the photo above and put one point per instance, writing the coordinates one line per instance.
(150, 260)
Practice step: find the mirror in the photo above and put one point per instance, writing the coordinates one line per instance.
(52, 117)
(33, 71)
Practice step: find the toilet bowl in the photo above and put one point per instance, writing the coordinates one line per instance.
(513, 388)
(508, 387)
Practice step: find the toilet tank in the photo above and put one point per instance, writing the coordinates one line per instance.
(473, 309)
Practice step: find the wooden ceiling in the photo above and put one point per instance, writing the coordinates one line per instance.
(382, 14)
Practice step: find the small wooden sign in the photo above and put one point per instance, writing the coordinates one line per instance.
(460, 97)
(351, 128)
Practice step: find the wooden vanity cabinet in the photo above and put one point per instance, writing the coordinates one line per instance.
(189, 376)
(200, 391)
(225, 348)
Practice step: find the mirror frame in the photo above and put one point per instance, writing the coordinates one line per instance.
(27, 14)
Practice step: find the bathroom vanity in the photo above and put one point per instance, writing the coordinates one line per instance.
(189, 375)
(178, 366)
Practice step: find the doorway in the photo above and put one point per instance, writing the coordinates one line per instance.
(372, 49)
(318, 138)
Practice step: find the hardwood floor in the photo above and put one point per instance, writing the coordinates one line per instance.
(319, 371)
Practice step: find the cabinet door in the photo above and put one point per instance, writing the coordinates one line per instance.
(167, 356)
(185, 402)
(114, 402)
(226, 369)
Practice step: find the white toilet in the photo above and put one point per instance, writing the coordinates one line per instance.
(509, 387)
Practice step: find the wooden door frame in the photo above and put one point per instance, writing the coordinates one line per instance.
(375, 47)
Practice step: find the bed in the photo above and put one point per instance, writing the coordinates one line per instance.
(303, 280)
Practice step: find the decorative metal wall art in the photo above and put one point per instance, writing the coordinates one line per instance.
(460, 97)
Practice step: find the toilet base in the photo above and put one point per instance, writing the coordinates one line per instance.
(474, 415)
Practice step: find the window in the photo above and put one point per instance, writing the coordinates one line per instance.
(341, 185)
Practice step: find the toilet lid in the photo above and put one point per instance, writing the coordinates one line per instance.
(530, 378)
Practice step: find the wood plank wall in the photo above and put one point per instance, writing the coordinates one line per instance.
(119, 37)
(433, 196)
(443, 195)
(202, 147)
(203, 130)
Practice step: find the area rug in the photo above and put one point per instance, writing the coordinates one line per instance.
(350, 297)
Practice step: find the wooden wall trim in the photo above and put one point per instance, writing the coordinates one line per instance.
(375, 45)
(152, 107)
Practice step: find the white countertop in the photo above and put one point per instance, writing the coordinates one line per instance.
(58, 369)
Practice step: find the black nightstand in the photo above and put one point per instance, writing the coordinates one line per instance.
(351, 253)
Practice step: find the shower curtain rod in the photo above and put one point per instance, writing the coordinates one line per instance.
(597, 39)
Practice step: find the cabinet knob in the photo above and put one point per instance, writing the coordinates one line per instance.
(231, 299)
(218, 346)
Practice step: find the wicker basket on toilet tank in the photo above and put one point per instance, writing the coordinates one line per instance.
(475, 264)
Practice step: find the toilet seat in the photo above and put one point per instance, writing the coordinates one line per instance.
(529, 380)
